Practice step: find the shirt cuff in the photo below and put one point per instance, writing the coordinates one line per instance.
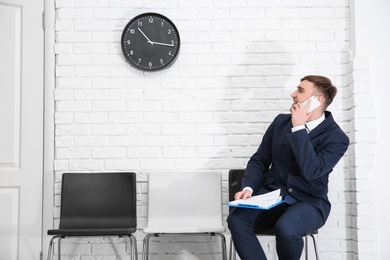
(298, 127)
(248, 188)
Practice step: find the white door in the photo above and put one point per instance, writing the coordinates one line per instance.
(21, 128)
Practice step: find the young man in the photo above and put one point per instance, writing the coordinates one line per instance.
(296, 155)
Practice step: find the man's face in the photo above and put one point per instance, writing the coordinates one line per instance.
(304, 90)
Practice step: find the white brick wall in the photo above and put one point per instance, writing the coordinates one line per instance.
(363, 138)
(239, 62)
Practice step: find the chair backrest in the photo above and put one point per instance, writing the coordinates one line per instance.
(98, 200)
(235, 178)
(184, 202)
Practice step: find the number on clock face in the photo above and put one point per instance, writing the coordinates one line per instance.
(150, 42)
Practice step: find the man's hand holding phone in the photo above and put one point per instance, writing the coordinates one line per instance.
(301, 112)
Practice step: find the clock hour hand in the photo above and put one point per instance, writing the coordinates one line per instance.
(164, 44)
(149, 41)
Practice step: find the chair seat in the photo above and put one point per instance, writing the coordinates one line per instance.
(185, 230)
(271, 232)
(91, 232)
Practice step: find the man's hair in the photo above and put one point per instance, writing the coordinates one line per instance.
(324, 86)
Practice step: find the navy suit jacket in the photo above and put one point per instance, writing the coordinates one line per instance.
(298, 163)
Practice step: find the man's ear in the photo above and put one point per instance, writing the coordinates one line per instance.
(323, 102)
(321, 98)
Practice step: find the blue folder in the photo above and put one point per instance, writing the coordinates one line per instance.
(252, 206)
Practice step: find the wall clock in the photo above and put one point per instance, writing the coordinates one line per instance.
(150, 42)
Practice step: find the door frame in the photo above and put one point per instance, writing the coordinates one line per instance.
(49, 126)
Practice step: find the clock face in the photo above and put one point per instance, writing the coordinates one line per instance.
(150, 42)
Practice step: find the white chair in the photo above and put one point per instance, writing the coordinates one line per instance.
(184, 203)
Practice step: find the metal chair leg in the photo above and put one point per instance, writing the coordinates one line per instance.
(232, 250)
(50, 252)
(145, 250)
(315, 247)
(307, 247)
(132, 247)
(223, 245)
(59, 248)
(134, 253)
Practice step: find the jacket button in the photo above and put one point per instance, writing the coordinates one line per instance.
(290, 189)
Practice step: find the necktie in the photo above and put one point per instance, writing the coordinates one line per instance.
(307, 129)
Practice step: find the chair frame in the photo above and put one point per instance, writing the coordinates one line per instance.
(157, 232)
(147, 238)
(235, 177)
(73, 225)
(132, 244)
(270, 232)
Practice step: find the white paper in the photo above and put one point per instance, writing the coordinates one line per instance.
(261, 201)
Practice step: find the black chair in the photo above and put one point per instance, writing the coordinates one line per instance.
(97, 204)
(235, 177)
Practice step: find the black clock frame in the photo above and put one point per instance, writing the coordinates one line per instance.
(150, 42)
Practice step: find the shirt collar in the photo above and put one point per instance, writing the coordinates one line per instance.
(313, 124)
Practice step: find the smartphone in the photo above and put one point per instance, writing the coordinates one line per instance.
(313, 105)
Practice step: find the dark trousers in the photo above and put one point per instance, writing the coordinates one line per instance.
(291, 224)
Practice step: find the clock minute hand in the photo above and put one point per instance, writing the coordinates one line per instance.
(149, 41)
(164, 44)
